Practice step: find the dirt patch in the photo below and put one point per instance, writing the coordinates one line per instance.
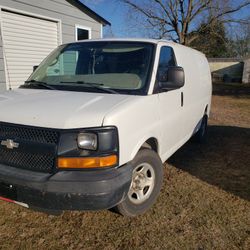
(204, 204)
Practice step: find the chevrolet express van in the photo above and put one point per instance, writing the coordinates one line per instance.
(94, 123)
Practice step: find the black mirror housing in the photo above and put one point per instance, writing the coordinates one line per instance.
(35, 67)
(172, 78)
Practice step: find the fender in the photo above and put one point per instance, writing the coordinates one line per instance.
(141, 142)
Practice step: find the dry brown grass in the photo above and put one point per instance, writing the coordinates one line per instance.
(204, 204)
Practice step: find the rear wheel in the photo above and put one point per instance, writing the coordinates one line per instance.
(145, 185)
(201, 135)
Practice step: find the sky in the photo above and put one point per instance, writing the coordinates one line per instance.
(115, 13)
(111, 11)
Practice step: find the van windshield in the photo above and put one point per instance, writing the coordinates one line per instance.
(115, 67)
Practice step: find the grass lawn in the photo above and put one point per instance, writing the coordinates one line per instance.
(204, 204)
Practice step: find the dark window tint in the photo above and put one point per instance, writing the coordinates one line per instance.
(167, 57)
(82, 34)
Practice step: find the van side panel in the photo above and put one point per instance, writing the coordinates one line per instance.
(139, 118)
(197, 90)
(206, 80)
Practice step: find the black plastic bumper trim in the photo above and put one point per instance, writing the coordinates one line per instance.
(68, 190)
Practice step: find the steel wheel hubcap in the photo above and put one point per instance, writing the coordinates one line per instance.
(142, 185)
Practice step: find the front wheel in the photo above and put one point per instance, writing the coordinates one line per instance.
(145, 185)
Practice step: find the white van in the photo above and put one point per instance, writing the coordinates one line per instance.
(92, 126)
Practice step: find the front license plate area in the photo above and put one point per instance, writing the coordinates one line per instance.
(8, 191)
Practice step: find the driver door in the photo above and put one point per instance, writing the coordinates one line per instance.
(170, 107)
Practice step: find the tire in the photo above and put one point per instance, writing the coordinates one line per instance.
(145, 184)
(201, 135)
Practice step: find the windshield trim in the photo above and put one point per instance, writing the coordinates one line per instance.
(143, 91)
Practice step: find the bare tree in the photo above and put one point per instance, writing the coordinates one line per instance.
(212, 40)
(176, 19)
(108, 32)
(239, 44)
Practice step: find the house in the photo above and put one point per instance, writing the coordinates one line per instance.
(226, 69)
(31, 29)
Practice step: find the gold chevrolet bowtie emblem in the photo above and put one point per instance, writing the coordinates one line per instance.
(10, 144)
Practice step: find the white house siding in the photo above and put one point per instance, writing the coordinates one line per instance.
(2, 72)
(69, 15)
(24, 47)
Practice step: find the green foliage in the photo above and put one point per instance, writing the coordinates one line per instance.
(211, 40)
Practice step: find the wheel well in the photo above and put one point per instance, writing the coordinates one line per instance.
(205, 113)
(151, 143)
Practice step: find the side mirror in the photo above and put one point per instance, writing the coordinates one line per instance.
(35, 67)
(172, 78)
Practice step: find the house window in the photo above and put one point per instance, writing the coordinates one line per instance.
(82, 33)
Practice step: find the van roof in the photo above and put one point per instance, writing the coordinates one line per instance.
(154, 41)
(126, 40)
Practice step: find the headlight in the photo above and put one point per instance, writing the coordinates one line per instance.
(87, 141)
(88, 148)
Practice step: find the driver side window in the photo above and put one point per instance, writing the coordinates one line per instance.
(167, 58)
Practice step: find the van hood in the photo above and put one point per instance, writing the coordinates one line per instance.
(57, 109)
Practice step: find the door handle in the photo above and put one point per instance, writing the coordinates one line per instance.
(182, 99)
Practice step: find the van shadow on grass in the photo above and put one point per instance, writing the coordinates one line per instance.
(223, 161)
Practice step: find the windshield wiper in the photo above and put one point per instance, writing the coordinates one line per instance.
(94, 85)
(39, 83)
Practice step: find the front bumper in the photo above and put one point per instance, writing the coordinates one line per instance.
(66, 190)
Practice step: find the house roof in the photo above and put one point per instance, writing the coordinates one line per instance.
(78, 4)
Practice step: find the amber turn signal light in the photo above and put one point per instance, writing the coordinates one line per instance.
(88, 162)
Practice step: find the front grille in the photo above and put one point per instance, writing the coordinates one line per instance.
(36, 151)
(26, 160)
(28, 133)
